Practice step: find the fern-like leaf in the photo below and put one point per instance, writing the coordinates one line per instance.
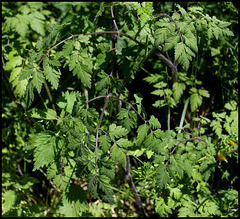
(183, 54)
(51, 74)
(37, 79)
(117, 131)
(142, 133)
(162, 176)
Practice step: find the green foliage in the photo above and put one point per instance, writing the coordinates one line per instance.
(101, 105)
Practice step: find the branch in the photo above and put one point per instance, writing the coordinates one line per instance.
(173, 65)
(93, 33)
(132, 186)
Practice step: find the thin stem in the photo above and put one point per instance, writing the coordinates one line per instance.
(169, 116)
(49, 94)
(86, 95)
(183, 114)
(146, 122)
(115, 27)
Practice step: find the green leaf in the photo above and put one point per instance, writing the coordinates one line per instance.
(104, 142)
(105, 186)
(124, 143)
(83, 73)
(26, 73)
(71, 98)
(21, 25)
(195, 101)
(138, 101)
(153, 78)
(37, 23)
(48, 114)
(51, 114)
(13, 62)
(84, 39)
(44, 153)
(99, 185)
(93, 184)
(175, 193)
(118, 155)
(67, 48)
(160, 36)
(52, 75)
(73, 202)
(27, 181)
(183, 54)
(20, 86)
(154, 123)
(204, 93)
(178, 88)
(142, 133)
(161, 208)
(188, 167)
(9, 198)
(103, 82)
(117, 131)
(73, 61)
(217, 127)
(231, 105)
(162, 176)
(171, 42)
(190, 40)
(177, 163)
(29, 93)
(37, 79)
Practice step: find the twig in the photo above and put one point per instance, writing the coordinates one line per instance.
(132, 186)
(115, 27)
(146, 122)
(57, 189)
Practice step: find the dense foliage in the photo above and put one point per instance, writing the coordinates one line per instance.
(119, 109)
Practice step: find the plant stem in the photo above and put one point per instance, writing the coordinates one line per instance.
(49, 94)
(169, 116)
(183, 114)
